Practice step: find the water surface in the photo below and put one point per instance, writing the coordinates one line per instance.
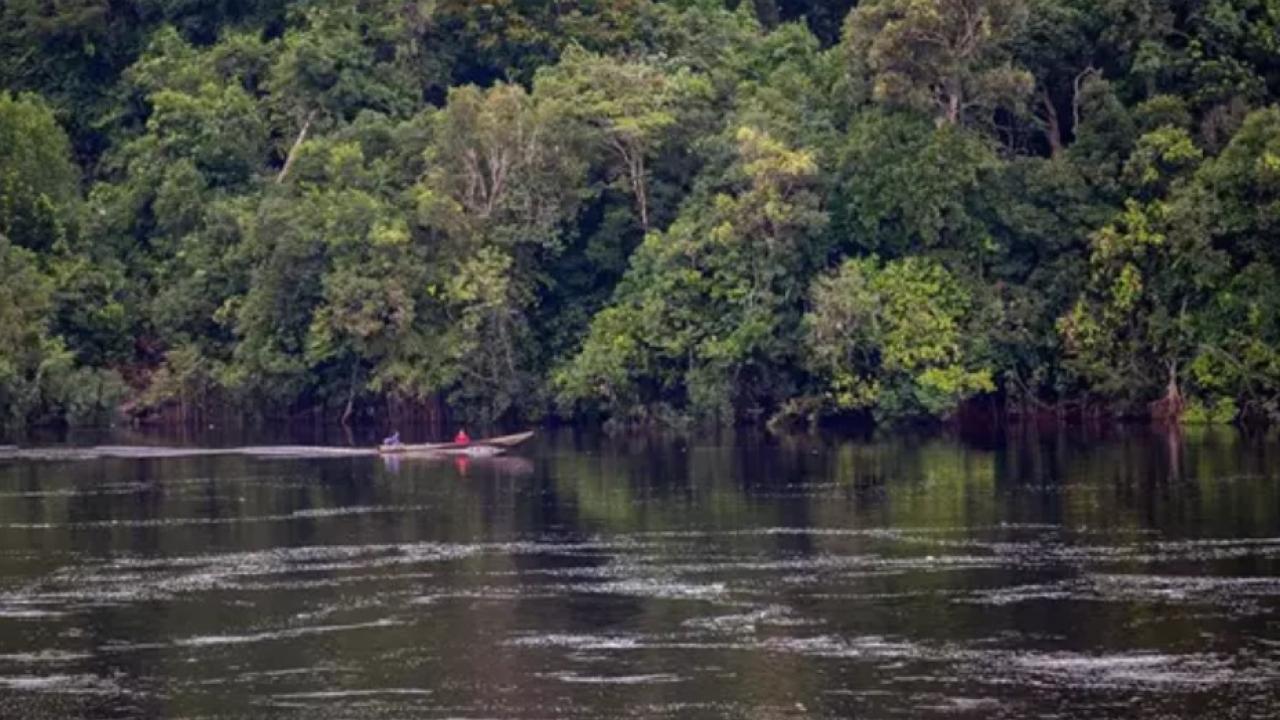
(1135, 575)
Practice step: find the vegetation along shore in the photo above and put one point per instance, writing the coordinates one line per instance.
(640, 211)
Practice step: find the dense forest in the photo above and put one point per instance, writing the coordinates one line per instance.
(640, 211)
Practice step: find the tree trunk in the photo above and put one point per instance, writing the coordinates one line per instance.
(293, 151)
(954, 102)
(1169, 408)
(642, 194)
(1076, 85)
(1052, 128)
(633, 159)
(351, 399)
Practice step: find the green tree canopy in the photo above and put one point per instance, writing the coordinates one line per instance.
(39, 190)
(891, 339)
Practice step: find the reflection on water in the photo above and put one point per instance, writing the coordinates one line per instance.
(1133, 576)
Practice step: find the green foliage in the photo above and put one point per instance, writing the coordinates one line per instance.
(39, 378)
(512, 39)
(1218, 412)
(38, 193)
(1242, 188)
(948, 58)
(504, 181)
(339, 59)
(24, 341)
(906, 186)
(890, 339)
(1180, 297)
(1159, 158)
(702, 316)
(1130, 334)
(186, 378)
(625, 109)
(628, 207)
(500, 169)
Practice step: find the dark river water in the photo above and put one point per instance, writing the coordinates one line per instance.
(1135, 575)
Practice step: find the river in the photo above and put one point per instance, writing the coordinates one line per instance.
(1130, 574)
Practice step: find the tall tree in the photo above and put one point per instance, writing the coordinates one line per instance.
(950, 58)
(700, 321)
(503, 183)
(629, 107)
(1131, 336)
(38, 182)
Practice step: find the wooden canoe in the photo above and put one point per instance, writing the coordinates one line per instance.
(485, 446)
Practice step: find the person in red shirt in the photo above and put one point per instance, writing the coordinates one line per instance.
(462, 438)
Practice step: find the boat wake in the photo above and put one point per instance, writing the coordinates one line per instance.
(283, 452)
(145, 452)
